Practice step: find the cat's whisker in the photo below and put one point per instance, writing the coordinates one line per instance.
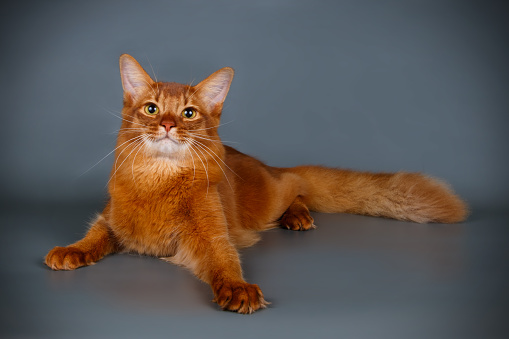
(130, 130)
(199, 136)
(189, 86)
(203, 154)
(154, 73)
(203, 164)
(192, 158)
(219, 158)
(213, 158)
(203, 136)
(202, 129)
(144, 141)
(118, 112)
(111, 110)
(138, 143)
(152, 88)
(123, 118)
(132, 139)
(135, 139)
(200, 145)
(190, 97)
(120, 117)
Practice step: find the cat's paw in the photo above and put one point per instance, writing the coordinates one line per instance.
(239, 297)
(297, 220)
(67, 258)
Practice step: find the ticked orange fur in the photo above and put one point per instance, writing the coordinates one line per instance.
(177, 192)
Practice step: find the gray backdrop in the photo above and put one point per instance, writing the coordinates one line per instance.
(370, 85)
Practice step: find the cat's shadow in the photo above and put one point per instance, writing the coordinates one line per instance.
(135, 282)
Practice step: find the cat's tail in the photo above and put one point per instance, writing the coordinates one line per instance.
(404, 196)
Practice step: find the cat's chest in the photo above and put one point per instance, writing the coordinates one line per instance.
(150, 224)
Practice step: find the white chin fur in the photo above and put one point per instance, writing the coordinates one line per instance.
(166, 148)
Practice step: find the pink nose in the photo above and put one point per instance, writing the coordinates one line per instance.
(167, 124)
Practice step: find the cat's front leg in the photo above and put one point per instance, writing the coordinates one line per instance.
(97, 243)
(214, 260)
(238, 296)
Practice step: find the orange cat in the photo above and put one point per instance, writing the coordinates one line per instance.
(176, 191)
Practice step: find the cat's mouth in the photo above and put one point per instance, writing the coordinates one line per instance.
(167, 138)
(165, 145)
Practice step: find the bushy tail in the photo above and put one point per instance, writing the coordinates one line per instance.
(404, 196)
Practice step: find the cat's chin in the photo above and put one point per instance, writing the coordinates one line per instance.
(166, 148)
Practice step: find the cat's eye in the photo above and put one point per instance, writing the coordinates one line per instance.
(188, 113)
(151, 109)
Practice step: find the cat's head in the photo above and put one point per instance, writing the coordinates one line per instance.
(171, 120)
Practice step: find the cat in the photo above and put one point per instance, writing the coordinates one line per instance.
(176, 192)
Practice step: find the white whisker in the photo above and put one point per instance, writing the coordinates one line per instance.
(138, 144)
(132, 139)
(218, 158)
(154, 73)
(139, 137)
(200, 136)
(189, 86)
(189, 98)
(192, 158)
(129, 130)
(152, 88)
(200, 145)
(134, 159)
(203, 164)
(202, 129)
(124, 118)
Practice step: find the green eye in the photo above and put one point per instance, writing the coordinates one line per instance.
(151, 109)
(188, 113)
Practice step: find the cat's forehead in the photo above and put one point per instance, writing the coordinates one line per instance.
(172, 90)
(169, 94)
(172, 94)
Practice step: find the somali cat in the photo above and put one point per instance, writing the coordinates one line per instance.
(177, 192)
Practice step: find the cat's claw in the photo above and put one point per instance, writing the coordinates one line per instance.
(68, 258)
(240, 297)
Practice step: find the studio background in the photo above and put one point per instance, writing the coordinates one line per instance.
(368, 85)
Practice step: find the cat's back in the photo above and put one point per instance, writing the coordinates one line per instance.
(247, 165)
(261, 192)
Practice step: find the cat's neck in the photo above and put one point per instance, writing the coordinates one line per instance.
(143, 172)
(149, 176)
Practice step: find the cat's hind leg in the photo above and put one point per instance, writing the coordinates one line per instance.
(97, 243)
(297, 217)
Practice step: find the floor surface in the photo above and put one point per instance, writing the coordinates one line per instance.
(353, 277)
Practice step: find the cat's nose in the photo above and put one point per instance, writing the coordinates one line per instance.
(167, 124)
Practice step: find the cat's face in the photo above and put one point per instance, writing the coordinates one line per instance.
(171, 120)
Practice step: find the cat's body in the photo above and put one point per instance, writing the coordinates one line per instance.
(177, 192)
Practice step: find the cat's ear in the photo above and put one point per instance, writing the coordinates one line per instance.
(213, 90)
(134, 78)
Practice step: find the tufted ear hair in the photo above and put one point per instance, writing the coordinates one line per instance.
(214, 89)
(134, 78)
